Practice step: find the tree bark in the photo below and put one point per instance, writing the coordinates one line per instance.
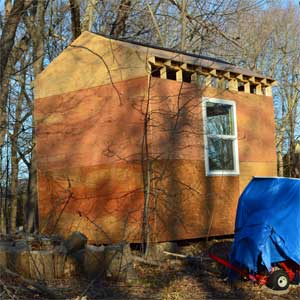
(15, 165)
(183, 24)
(8, 6)
(15, 54)
(13, 17)
(75, 17)
(119, 25)
(8, 34)
(88, 17)
(37, 36)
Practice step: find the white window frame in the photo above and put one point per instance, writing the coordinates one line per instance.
(233, 137)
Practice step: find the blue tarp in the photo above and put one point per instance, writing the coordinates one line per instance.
(267, 223)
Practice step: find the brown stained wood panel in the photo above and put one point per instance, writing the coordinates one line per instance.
(86, 142)
(255, 119)
(91, 127)
(93, 60)
(250, 169)
(176, 128)
(191, 205)
(188, 204)
(104, 201)
(255, 122)
(89, 160)
(90, 61)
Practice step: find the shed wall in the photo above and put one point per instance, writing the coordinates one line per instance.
(89, 160)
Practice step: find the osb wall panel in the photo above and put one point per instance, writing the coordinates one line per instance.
(250, 169)
(90, 61)
(255, 122)
(177, 110)
(256, 133)
(177, 134)
(188, 204)
(87, 146)
(92, 126)
(104, 201)
(176, 120)
(89, 161)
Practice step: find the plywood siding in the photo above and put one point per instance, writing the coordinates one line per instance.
(88, 152)
(90, 61)
(89, 146)
(256, 133)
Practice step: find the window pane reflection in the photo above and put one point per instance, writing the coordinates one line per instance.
(219, 119)
(220, 154)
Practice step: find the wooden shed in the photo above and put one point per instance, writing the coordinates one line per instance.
(114, 116)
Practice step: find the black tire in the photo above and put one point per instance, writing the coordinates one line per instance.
(279, 280)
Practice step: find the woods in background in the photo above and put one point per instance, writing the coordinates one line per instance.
(260, 35)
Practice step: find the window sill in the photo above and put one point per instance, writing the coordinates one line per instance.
(224, 173)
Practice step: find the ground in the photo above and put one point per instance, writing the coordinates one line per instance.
(172, 279)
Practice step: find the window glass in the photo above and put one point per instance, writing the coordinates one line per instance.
(221, 148)
(219, 119)
(220, 154)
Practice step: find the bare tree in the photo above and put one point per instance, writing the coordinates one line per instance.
(118, 26)
(269, 43)
(75, 16)
(35, 23)
(8, 33)
(88, 17)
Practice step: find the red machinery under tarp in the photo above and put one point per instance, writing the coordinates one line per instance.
(267, 233)
(278, 279)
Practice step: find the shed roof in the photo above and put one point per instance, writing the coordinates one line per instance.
(187, 57)
(95, 59)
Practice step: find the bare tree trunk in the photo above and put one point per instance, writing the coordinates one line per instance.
(6, 43)
(8, 34)
(293, 105)
(8, 6)
(280, 163)
(12, 19)
(75, 17)
(297, 161)
(88, 17)
(37, 35)
(14, 175)
(2, 217)
(15, 54)
(183, 24)
(3, 131)
(119, 25)
(279, 146)
(19, 119)
(156, 25)
(147, 173)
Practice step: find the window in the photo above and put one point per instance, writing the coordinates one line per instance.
(220, 137)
